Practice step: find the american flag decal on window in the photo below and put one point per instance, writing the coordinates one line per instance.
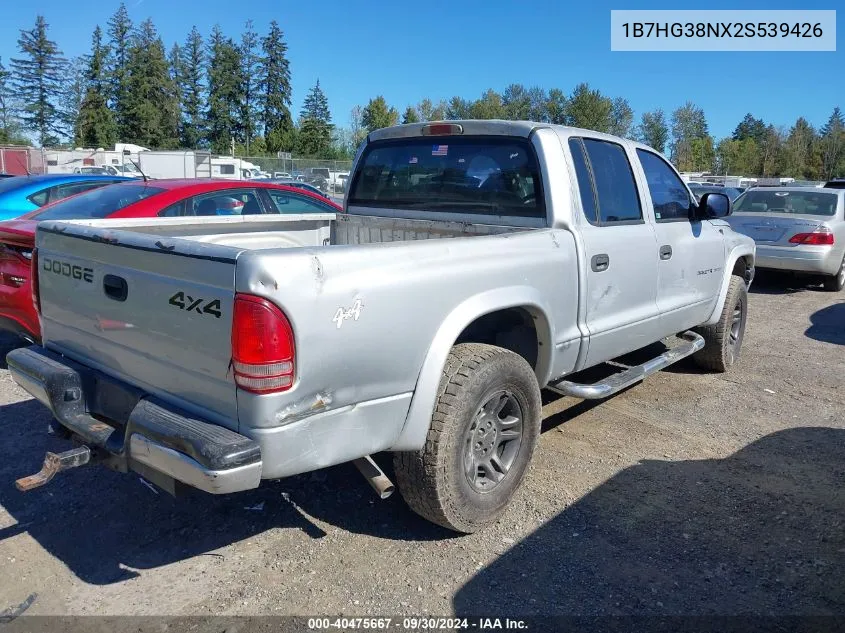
(440, 150)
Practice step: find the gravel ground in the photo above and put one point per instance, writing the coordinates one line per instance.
(688, 494)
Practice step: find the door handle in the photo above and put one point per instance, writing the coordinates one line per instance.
(665, 252)
(600, 262)
(115, 287)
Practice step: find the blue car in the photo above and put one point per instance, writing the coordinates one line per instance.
(23, 194)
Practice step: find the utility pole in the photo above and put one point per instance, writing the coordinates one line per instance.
(233, 147)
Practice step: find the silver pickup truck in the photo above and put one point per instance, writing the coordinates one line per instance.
(475, 262)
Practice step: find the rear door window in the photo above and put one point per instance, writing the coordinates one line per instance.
(616, 190)
(289, 202)
(478, 175)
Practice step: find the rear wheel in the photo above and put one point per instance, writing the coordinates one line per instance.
(836, 282)
(723, 340)
(483, 432)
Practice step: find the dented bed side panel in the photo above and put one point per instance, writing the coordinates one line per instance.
(364, 317)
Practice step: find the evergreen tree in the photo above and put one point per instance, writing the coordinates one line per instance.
(275, 90)
(457, 108)
(377, 115)
(315, 129)
(539, 105)
(589, 109)
(10, 131)
(516, 102)
(438, 113)
(37, 79)
(833, 145)
(152, 107)
(556, 105)
(95, 125)
(653, 130)
(410, 115)
(750, 127)
(224, 91)
(72, 95)
(120, 42)
(622, 118)
(250, 76)
(193, 67)
(489, 106)
(799, 149)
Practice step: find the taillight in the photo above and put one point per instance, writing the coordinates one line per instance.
(262, 346)
(33, 276)
(822, 236)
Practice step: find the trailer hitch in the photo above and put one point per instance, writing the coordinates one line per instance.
(55, 463)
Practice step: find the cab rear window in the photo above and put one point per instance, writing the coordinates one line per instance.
(485, 176)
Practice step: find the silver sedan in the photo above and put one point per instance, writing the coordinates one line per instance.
(797, 229)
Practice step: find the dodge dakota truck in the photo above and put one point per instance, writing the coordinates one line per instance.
(474, 263)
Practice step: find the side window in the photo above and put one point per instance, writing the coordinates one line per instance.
(65, 191)
(668, 194)
(289, 202)
(173, 211)
(39, 198)
(226, 202)
(585, 183)
(616, 190)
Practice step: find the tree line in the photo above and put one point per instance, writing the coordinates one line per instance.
(210, 92)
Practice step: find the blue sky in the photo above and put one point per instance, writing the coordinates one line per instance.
(408, 51)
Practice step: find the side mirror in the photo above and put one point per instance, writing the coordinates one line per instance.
(712, 206)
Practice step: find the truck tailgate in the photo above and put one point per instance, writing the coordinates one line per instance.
(158, 317)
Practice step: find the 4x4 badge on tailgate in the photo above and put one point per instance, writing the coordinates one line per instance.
(189, 303)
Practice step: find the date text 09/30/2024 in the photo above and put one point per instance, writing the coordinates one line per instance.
(416, 624)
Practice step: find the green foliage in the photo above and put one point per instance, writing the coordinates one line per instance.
(457, 108)
(489, 106)
(152, 106)
(832, 145)
(73, 94)
(515, 102)
(10, 127)
(224, 92)
(801, 157)
(377, 115)
(410, 115)
(37, 79)
(622, 118)
(315, 129)
(689, 125)
(653, 130)
(556, 105)
(192, 90)
(95, 124)
(120, 41)
(248, 120)
(274, 86)
(751, 128)
(589, 109)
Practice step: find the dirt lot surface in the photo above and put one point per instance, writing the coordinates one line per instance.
(688, 494)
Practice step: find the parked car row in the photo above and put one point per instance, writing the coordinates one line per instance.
(70, 197)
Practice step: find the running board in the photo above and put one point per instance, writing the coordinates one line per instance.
(632, 375)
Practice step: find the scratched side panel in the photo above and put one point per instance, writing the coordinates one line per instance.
(364, 317)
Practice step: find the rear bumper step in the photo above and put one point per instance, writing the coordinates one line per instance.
(632, 375)
(144, 433)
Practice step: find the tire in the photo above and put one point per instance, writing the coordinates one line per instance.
(723, 340)
(837, 281)
(481, 384)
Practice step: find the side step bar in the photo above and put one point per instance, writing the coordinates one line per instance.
(632, 375)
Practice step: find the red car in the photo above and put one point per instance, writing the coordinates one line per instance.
(135, 199)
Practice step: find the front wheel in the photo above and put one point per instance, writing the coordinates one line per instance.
(483, 432)
(837, 282)
(723, 339)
